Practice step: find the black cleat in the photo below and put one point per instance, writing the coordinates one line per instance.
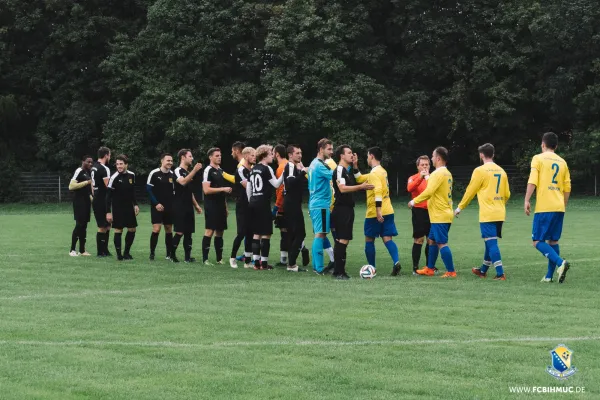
(108, 254)
(341, 277)
(152, 257)
(396, 269)
(120, 258)
(305, 257)
(174, 259)
(266, 267)
(127, 257)
(328, 270)
(190, 260)
(101, 256)
(281, 265)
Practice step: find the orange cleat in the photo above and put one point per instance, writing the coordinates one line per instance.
(477, 271)
(500, 278)
(449, 275)
(426, 271)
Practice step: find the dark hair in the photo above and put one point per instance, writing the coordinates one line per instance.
(323, 143)
(86, 157)
(339, 151)
(163, 155)
(182, 153)
(442, 152)
(422, 158)
(376, 153)
(123, 157)
(291, 147)
(213, 150)
(238, 146)
(103, 152)
(280, 150)
(550, 139)
(487, 150)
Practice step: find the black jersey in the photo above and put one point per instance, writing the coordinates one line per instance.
(121, 191)
(83, 194)
(161, 186)
(215, 177)
(293, 180)
(242, 174)
(99, 172)
(262, 184)
(183, 193)
(343, 177)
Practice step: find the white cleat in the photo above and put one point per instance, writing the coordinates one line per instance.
(85, 253)
(220, 262)
(293, 269)
(233, 263)
(562, 271)
(74, 254)
(546, 280)
(248, 266)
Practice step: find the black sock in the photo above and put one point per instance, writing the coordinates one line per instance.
(106, 241)
(284, 242)
(117, 241)
(426, 253)
(237, 242)
(265, 248)
(169, 243)
(187, 245)
(153, 242)
(176, 240)
(416, 255)
(129, 238)
(339, 254)
(74, 237)
(219, 247)
(100, 243)
(248, 249)
(256, 251)
(82, 237)
(205, 247)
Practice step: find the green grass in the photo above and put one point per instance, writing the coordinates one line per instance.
(74, 328)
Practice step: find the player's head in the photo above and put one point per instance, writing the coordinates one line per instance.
(325, 148)
(486, 151)
(214, 155)
(86, 162)
(264, 154)
(280, 152)
(185, 157)
(374, 156)
(549, 141)
(294, 153)
(344, 154)
(423, 163)
(166, 160)
(236, 150)
(249, 155)
(439, 156)
(122, 163)
(104, 154)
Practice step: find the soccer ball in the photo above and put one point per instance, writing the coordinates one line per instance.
(368, 272)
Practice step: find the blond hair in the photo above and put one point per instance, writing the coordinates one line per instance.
(263, 151)
(247, 151)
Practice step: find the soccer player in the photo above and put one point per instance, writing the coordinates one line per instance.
(420, 217)
(121, 206)
(319, 186)
(551, 180)
(100, 178)
(161, 189)
(184, 204)
(215, 205)
(439, 194)
(278, 210)
(244, 230)
(294, 176)
(342, 216)
(490, 183)
(81, 186)
(379, 221)
(260, 190)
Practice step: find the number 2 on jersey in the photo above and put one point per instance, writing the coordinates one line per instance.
(498, 183)
(555, 168)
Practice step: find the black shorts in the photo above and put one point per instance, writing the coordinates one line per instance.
(81, 212)
(262, 220)
(280, 221)
(124, 218)
(420, 222)
(100, 214)
(342, 222)
(184, 220)
(294, 220)
(215, 216)
(241, 219)
(161, 217)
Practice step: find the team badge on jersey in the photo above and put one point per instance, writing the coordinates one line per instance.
(562, 358)
(170, 180)
(131, 181)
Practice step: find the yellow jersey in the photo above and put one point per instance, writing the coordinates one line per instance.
(490, 183)
(332, 165)
(439, 196)
(550, 174)
(379, 178)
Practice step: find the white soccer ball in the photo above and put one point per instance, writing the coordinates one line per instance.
(368, 272)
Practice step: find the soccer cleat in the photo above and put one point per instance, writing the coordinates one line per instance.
(477, 271)
(426, 271)
(281, 264)
(127, 257)
(174, 259)
(305, 257)
(396, 269)
(85, 253)
(256, 267)
(546, 280)
(119, 258)
(190, 260)
(317, 272)
(562, 271)
(296, 269)
(151, 256)
(108, 254)
(266, 267)
(341, 277)
(73, 253)
(248, 266)
(101, 255)
(221, 262)
(449, 275)
(233, 263)
(329, 268)
(414, 272)
(167, 258)
(500, 277)
(208, 263)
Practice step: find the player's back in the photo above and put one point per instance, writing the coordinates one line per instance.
(493, 193)
(261, 189)
(550, 174)
(319, 186)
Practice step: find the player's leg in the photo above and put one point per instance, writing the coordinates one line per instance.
(388, 231)
(328, 249)
(219, 246)
(548, 227)
(83, 237)
(320, 221)
(154, 239)
(187, 247)
(371, 231)
(416, 252)
(341, 247)
(168, 240)
(445, 252)
(117, 242)
(129, 238)
(429, 270)
(240, 218)
(74, 239)
(265, 248)
(486, 233)
(208, 235)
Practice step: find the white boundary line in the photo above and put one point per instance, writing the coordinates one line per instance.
(300, 343)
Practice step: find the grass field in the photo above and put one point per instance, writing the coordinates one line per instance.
(74, 328)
